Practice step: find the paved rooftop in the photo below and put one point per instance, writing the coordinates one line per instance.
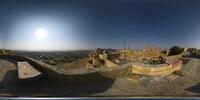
(25, 70)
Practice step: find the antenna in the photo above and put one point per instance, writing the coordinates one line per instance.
(124, 50)
(128, 45)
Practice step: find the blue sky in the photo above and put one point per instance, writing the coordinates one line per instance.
(89, 24)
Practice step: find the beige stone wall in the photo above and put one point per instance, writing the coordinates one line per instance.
(170, 59)
(57, 74)
(157, 70)
(109, 63)
(148, 52)
(101, 56)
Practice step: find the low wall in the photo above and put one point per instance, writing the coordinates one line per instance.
(101, 56)
(58, 74)
(170, 59)
(109, 63)
(156, 70)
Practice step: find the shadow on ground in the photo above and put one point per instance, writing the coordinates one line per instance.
(194, 89)
(185, 61)
(11, 86)
(44, 86)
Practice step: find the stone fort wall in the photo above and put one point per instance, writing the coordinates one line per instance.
(58, 74)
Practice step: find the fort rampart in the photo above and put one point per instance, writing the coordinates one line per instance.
(58, 74)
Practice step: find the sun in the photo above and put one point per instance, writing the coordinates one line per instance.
(41, 33)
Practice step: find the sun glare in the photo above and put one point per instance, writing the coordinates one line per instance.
(41, 33)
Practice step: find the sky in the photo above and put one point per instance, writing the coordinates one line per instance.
(90, 24)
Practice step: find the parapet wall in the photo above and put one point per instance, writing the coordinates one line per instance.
(58, 74)
(109, 63)
(157, 70)
(99, 74)
(170, 59)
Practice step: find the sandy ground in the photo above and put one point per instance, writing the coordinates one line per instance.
(189, 84)
(77, 64)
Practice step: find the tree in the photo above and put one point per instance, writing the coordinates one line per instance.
(175, 50)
